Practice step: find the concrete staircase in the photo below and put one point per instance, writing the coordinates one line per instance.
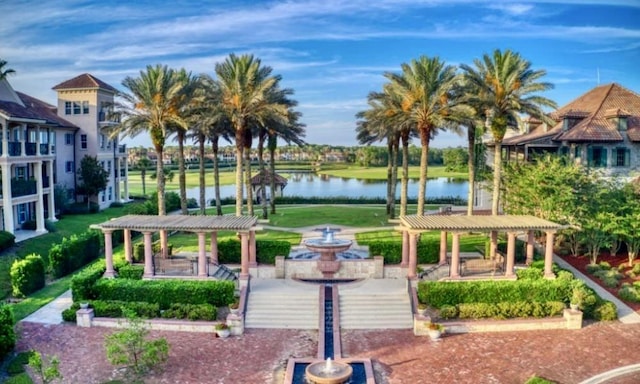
(282, 304)
(375, 304)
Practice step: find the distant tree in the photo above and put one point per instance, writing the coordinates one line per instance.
(144, 163)
(455, 159)
(93, 177)
(5, 72)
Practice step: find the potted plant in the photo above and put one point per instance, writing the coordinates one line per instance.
(422, 309)
(234, 307)
(222, 329)
(578, 297)
(435, 330)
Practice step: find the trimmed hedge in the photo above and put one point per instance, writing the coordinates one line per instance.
(509, 310)
(166, 292)
(7, 333)
(134, 272)
(437, 294)
(7, 240)
(82, 283)
(115, 309)
(229, 251)
(138, 250)
(191, 312)
(27, 275)
(74, 252)
(428, 251)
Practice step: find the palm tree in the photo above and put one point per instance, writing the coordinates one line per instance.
(504, 86)
(5, 72)
(144, 164)
(425, 87)
(152, 105)
(244, 86)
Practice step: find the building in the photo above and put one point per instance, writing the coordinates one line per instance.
(42, 146)
(600, 129)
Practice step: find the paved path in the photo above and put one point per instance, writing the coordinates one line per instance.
(52, 312)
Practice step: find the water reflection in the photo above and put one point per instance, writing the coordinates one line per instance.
(309, 184)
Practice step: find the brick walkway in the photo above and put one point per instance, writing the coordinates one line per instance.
(260, 356)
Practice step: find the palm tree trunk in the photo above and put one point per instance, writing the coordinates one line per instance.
(143, 175)
(272, 165)
(497, 167)
(247, 180)
(182, 176)
(471, 165)
(162, 209)
(425, 136)
(201, 181)
(390, 197)
(263, 185)
(405, 174)
(394, 176)
(216, 174)
(239, 158)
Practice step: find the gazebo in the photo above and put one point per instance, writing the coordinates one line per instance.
(266, 176)
(411, 226)
(200, 225)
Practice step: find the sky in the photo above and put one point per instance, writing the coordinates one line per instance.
(332, 53)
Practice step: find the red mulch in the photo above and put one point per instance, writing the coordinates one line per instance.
(581, 262)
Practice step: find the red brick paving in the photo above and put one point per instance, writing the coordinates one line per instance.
(260, 356)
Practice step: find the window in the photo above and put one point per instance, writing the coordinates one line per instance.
(102, 195)
(83, 141)
(21, 173)
(68, 138)
(621, 157)
(76, 107)
(68, 108)
(68, 167)
(597, 157)
(22, 213)
(577, 152)
(109, 166)
(110, 193)
(622, 124)
(101, 141)
(85, 107)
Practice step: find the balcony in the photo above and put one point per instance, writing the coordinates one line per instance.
(15, 148)
(103, 117)
(122, 148)
(23, 187)
(44, 149)
(45, 182)
(30, 149)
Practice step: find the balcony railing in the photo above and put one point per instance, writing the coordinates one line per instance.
(122, 148)
(44, 149)
(45, 182)
(104, 117)
(30, 148)
(15, 148)
(22, 187)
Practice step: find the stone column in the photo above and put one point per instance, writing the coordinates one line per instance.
(148, 255)
(127, 246)
(202, 255)
(5, 140)
(405, 249)
(493, 244)
(548, 256)
(455, 255)
(108, 253)
(39, 203)
(530, 241)
(116, 179)
(443, 247)
(244, 252)
(164, 244)
(52, 200)
(252, 250)
(413, 255)
(214, 248)
(6, 198)
(511, 253)
(126, 179)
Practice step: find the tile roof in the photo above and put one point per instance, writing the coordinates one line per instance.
(594, 109)
(34, 109)
(85, 80)
(266, 174)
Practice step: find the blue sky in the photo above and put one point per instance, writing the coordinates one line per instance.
(331, 52)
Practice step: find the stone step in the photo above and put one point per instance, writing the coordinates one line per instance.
(375, 311)
(277, 309)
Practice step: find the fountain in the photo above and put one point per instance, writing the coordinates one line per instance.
(328, 372)
(327, 247)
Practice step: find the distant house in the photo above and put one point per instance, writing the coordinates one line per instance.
(600, 129)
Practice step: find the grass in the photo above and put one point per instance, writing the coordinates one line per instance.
(380, 173)
(187, 242)
(355, 216)
(41, 298)
(469, 242)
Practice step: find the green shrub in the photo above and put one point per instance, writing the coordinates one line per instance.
(449, 312)
(82, 283)
(27, 275)
(605, 265)
(22, 378)
(134, 272)
(605, 311)
(69, 314)
(74, 252)
(7, 240)
(636, 269)
(530, 273)
(16, 365)
(50, 226)
(166, 292)
(29, 225)
(538, 380)
(7, 333)
(115, 309)
(509, 310)
(428, 250)
(629, 293)
(229, 251)
(592, 268)
(191, 312)
(437, 293)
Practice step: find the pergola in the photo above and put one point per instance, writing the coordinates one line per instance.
(200, 225)
(411, 226)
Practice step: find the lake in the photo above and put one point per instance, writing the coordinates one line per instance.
(311, 184)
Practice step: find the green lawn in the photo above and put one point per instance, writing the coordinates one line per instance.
(469, 242)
